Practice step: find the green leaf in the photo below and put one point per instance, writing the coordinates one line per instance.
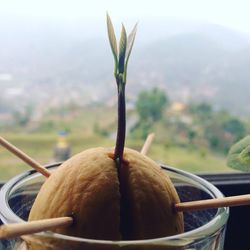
(122, 50)
(112, 39)
(245, 155)
(131, 39)
(239, 155)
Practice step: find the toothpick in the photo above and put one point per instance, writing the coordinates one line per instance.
(147, 143)
(238, 200)
(38, 167)
(16, 230)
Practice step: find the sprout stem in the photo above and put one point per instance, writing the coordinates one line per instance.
(121, 129)
(121, 57)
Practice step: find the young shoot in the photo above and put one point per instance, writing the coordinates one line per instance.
(121, 55)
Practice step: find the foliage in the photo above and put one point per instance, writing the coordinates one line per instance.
(219, 128)
(216, 137)
(202, 110)
(222, 132)
(151, 104)
(239, 155)
(235, 127)
(121, 57)
(23, 118)
(142, 129)
(149, 107)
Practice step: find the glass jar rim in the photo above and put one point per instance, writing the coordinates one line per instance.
(219, 219)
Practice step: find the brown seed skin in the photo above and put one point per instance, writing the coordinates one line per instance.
(88, 187)
(151, 196)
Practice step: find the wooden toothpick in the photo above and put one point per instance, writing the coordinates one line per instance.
(230, 201)
(147, 143)
(16, 230)
(31, 162)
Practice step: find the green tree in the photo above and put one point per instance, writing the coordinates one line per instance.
(202, 110)
(235, 127)
(215, 136)
(24, 117)
(150, 104)
(142, 129)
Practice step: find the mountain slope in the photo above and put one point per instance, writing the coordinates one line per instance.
(200, 63)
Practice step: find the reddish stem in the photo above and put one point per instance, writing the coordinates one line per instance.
(121, 129)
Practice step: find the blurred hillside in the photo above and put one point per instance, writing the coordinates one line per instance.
(44, 67)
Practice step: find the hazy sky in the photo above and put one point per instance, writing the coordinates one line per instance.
(231, 13)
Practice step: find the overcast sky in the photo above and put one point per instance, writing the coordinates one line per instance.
(231, 13)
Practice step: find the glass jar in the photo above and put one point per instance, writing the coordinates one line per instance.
(204, 230)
